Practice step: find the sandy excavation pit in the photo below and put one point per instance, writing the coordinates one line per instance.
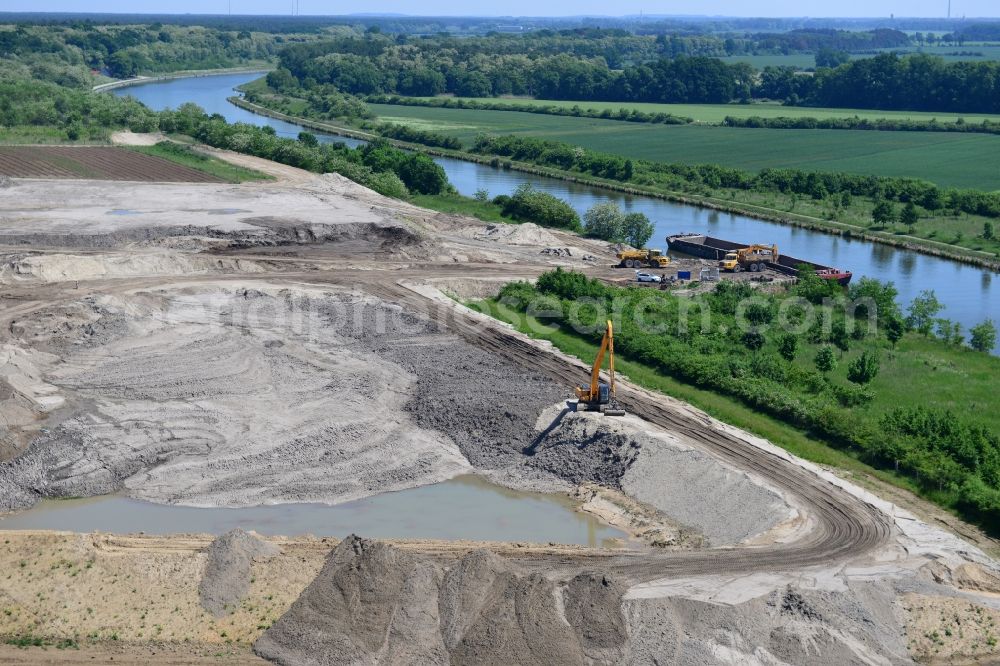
(181, 374)
(226, 396)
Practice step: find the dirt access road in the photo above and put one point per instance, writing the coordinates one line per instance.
(95, 306)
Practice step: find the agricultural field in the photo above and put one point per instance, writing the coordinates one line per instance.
(950, 53)
(953, 53)
(96, 162)
(163, 162)
(716, 113)
(800, 60)
(947, 159)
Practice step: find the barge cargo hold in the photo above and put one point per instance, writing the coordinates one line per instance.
(700, 245)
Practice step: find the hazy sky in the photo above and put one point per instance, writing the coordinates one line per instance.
(821, 8)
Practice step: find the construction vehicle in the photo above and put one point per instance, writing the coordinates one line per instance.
(600, 396)
(754, 258)
(642, 259)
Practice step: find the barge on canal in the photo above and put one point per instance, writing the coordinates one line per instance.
(700, 245)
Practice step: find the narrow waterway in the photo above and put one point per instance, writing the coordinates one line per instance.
(465, 507)
(969, 294)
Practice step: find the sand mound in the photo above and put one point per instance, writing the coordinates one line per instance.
(373, 604)
(516, 234)
(655, 467)
(62, 267)
(226, 580)
(786, 626)
(369, 601)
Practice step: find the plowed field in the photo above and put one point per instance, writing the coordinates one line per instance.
(101, 163)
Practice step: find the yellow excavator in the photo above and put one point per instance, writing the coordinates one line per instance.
(600, 396)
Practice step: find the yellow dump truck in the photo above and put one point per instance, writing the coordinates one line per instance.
(643, 259)
(754, 258)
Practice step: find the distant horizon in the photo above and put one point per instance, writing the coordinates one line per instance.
(900, 17)
(524, 9)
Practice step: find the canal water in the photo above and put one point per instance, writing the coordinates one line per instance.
(969, 294)
(466, 507)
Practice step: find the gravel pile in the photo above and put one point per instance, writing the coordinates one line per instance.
(787, 626)
(691, 487)
(226, 580)
(374, 604)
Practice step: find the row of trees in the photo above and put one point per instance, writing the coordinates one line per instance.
(616, 48)
(739, 355)
(377, 165)
(624, 114)
(986, 126)
(916, 82)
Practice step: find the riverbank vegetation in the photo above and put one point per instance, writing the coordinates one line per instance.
(849, 370)
(863, 202)
(33, 110)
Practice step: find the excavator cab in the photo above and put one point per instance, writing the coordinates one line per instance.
(603, 396)
(599, 396)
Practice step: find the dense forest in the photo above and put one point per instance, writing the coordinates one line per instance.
(72, 55)
(618, 67)
(546, 67)
(916, 82)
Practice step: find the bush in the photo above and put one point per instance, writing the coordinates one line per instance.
(825, 359)
(422, 174)
(530, 205)
(852, 396)
(788, 346)
(517, 294)
(753, 340)
(983, 336)
(637, 229)
(387, 184)
(864, 368)
(605, 221)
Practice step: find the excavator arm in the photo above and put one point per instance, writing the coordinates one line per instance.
(590, 396)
